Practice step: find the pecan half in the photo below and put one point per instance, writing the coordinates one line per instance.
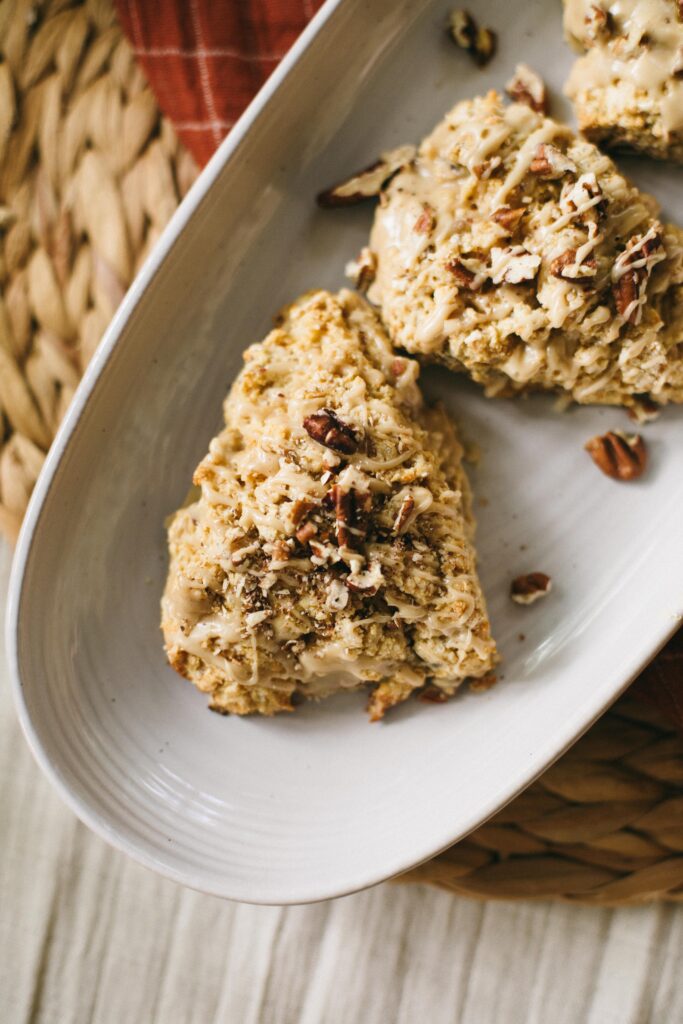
(369, 182)
(551, 163)
(327, 429)
(508, 217)
(526, 86)
(621, 456)
(480, 43)
(566, 267)
(531, 587)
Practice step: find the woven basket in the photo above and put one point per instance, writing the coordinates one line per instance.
(89, 175)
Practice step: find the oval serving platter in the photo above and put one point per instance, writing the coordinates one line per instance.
(320, 803)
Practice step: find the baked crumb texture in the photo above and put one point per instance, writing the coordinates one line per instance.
(331, 546)
(627, 87)
(513, 250)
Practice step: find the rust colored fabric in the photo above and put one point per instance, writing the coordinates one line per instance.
(205, 60)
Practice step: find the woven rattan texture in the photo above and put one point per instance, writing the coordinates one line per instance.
(89, 175)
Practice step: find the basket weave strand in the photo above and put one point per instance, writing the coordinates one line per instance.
(89, 175)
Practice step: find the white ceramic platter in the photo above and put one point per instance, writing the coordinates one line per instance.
(320, 803)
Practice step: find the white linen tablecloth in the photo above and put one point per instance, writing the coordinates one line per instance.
(88, 937)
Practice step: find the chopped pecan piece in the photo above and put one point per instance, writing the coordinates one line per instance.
(582, 196)
(404, 513)
(509, 217)
(631, 272)
(327, 429)
(369, 182)
(526, 86)
(566, 267)
(551, 163)
(621, 456)
(466, 277)
(426, 221)
(513, 265)
(351, 509)
(529, 588)
(483, 684)
(305, 532)
(480, 43)
(598, 22)
(679, 9)
(300, 509)
(432, 695)
(484, 170)
(644, 410)
(366, 583)
(362, 270)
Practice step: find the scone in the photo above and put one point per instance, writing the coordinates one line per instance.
(627, 88)
(515, 251)
(331, 545)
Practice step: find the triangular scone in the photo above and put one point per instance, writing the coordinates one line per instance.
(331, 545)
(513, 250)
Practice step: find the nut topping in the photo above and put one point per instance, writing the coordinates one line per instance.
(566, 267)
(551, 163)
(598, 23)
(644, 410)
(362, 270)
(351, 509)
(366, 583)
(513, 265)
(480, 43)
(369, 182)
(631, 272)
(531, 587)
(426, 221)
(404, 513)
(305, 532)
(526, 86)
(464, 278)
(432, 695)
(508, 217)
(327, 429)
(621, 456)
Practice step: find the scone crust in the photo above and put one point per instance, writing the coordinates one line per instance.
(516, 251)
(627, 87)
(304, 568)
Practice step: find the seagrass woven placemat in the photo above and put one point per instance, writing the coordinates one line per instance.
(89, 175)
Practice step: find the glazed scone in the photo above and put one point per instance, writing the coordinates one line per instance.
(331, 545)
(515, 251)
(627, 87)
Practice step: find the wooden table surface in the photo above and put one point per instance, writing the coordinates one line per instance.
(89, 937)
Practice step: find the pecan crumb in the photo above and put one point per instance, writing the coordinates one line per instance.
(305, 532)
(480, 43)
(432, 695)
(550, 162)
(404, 513)
(508, 217)
(426, 221)
(632, 269)
(526, 86)
(530, 587)
(464, 277)
(643, 410)
(565, 266)
(598, 23)
(620, 456)
(327, 429)
(483, 684)
(362, 270)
